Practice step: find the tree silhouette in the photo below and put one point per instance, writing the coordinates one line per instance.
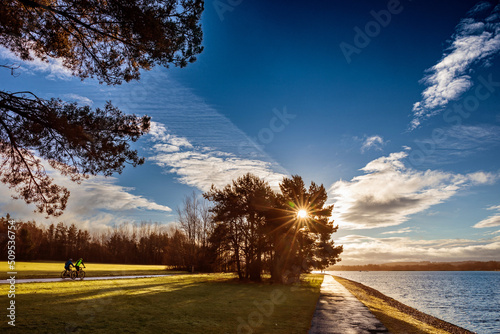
(109, 40)
(262, 230)
(301, 243)
(241, 207)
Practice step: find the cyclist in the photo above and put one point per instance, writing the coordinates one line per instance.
(68, 264)
(79, 263)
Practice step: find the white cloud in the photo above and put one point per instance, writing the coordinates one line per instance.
(360, 249)
(101, 193)
(96, 202)
(78, 98)
(373, 142)
(474, 40)
(200, 167)
(167, 142)
(491, 221)
(389, 192)
(53, 66)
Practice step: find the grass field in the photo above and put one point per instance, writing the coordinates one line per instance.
(197, 303)
(54, 269)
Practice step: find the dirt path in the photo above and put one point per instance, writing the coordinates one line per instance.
(339, 312)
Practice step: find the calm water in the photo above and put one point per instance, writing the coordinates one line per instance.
(469, 299)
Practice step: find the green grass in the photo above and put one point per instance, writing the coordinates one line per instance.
(54, 269)
(198, 303)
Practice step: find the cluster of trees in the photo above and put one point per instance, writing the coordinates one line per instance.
(426, 266)
(284, 233)
(249, 229)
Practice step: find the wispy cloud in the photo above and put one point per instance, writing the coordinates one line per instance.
(459, 142)
(187, 116)
(389, 192)
(472, 137)
(78, 98)
(373, 142)
(400, 231)
(200, 167)
(360, 249)
(491, 221)
(475, 41)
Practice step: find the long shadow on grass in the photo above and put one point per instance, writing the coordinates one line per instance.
(168, 305)
(91, 304)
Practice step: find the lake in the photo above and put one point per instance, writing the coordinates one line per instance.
(469, 299)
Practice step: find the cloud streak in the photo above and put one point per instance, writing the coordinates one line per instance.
(360, 249)
(476, 40)
(458, 142)
(389, 192)
(491, 221)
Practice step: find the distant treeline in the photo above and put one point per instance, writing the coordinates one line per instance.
(425, 266)
(143, 243)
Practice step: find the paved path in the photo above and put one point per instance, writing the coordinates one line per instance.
(38, 280)
(339, 312)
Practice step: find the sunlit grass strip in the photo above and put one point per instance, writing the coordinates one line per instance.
(53, 269)
(197, 303)
(398, 317)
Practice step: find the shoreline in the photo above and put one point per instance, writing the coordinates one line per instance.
(386, 304)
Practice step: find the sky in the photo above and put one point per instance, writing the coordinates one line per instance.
(391, 105)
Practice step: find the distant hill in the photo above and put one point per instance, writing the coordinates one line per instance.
(424, 266)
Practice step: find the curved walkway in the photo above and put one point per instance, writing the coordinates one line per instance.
(339, 312)
(41, 280)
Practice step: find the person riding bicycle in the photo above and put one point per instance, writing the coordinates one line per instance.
(79, 263)
(69, 264)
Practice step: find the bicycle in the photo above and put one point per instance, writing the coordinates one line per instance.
(80, 274)
(68, 274)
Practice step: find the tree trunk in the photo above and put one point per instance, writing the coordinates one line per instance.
(238, 263)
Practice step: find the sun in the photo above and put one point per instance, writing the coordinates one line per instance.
(302, 213)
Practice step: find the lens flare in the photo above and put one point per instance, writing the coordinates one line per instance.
(302, 214)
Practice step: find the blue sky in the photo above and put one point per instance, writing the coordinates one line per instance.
(392, 105)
